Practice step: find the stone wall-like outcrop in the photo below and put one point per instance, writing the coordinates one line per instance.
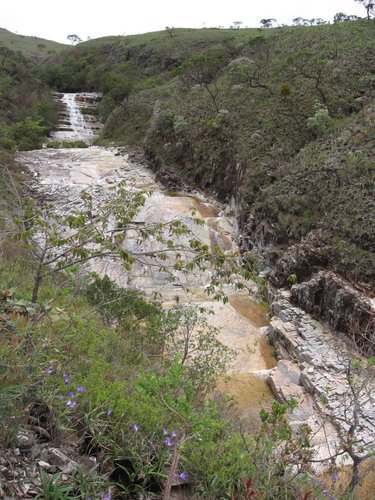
(329, 297)
(314, 368)
(301, 260)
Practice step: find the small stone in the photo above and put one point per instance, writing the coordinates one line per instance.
(62, 461)
(25, 440)
(35, 452)
(44, 465)
(44, 455)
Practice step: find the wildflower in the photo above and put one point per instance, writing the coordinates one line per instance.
(335, 477)
(80, 388)
(71, 404)
(174, 434)
(49, 370)
(108, 495)
(168, 441)
(165, 431)
(183, 476)
(71, 394)
(66, 378)
(135, 427)
(109, 412)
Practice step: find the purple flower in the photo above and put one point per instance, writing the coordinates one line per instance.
(71, 404)
(66, 378)
(174, 434)
(80, 388)
(108, 495)
(183, 476)
(135, 427)
(49, 370)
(109, 412)
(335, 477)
(71, 394)
(165, 431)
(168, 441)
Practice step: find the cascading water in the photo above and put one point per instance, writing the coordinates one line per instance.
(73, 124)
(76, 117)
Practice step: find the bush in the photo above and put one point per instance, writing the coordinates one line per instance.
(29, 134)
(55, 144)
(320, 123)
(7, 141)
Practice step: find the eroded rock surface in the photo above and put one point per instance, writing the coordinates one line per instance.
(343, 307)
(315, 368)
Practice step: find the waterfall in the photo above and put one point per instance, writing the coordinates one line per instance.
(74, 125)
(76, 118)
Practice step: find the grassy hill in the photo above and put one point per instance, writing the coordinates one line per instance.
(27, 110)
(30, 46)
(279, 119)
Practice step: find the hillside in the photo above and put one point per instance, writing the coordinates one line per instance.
(30, 46)
(278, 119)
(125, 370)
(27, 109)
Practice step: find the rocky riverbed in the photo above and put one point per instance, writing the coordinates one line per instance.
(313, 361)
(59, 177)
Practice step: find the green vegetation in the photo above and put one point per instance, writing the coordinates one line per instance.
(55, 144)
(133, 413)
(30, 46)
(27, 111)
(281, 119)
(119, 376)
(272, 117)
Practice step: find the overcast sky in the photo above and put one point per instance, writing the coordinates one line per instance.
(56, 19)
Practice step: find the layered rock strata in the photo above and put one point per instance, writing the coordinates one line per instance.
(314, 368)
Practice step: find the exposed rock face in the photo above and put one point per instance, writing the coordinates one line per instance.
(344, 308)
(302, 259)
(316, 373)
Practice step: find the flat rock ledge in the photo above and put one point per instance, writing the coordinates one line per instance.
(313, 369)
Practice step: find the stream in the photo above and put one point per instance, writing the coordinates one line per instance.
(59, 175)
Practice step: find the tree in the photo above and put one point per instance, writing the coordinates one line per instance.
(267, 23)
(74, 39)
(340, 17)
(237, 24)
(99, 230)
(369, 5)
(204, 69)
(297, 21)
(348, 418)
(252, 71)
(185, 332)
(170, 30)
